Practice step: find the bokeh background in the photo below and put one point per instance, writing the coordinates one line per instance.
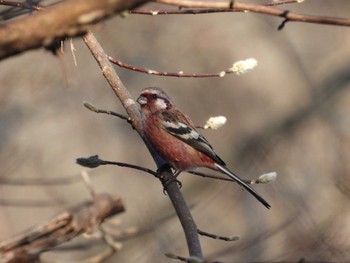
(290, 115)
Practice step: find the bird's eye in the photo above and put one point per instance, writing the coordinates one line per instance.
(154, 96)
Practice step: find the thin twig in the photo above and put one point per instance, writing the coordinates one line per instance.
(29, 203)
(255, 8)
(202, 11)
(179, 74)
(23, 5)
(94, 161)
(282, 2)
(228, 238)
(136, 167)
(41, 181)
(93, 108)
(180, 12)
(88, 184)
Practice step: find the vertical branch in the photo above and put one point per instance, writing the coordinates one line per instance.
(184, 214)
(133, 111)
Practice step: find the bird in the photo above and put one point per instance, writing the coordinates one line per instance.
(175, 139)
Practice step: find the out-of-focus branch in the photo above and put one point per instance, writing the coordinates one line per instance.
(29, 203)
(44, 28)
(83, 218)
(23, 5)
(254, 8)
(174, 193)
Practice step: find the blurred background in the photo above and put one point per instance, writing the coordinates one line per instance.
(290, 115)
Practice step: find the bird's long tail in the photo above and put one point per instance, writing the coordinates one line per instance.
(234, 177)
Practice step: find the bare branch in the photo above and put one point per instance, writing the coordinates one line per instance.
(88, 184)
(40, 180)
(91, 107)
(29, 203)
(83, 218)
(179, 74)
(229, 238)
(94, 161)
(254, 8)
(23, 5)
(133, 111)
(44, 28)
(282, 2)
(202, 11)
(262, 179)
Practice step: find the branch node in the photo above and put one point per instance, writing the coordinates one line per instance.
(232, 3)
(284, 22)
(90, 162)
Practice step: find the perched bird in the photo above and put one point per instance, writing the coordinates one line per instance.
(174, 137)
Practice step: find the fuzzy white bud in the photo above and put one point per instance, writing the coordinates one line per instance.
(267, 178)
(215, 123)
(243, 66)
(234, 238)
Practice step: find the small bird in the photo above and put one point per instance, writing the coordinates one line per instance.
(174, 137)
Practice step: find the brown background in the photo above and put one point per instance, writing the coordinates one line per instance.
(290, 115)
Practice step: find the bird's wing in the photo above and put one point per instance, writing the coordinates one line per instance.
(180, 126)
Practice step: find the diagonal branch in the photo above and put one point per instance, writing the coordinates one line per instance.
(82, 218)
(174, 193)
(44, 28)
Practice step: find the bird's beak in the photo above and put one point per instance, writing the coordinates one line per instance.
(142, 100)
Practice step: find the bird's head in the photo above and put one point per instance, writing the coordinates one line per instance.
(154, 99)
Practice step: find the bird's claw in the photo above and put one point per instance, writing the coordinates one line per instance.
(167, 182)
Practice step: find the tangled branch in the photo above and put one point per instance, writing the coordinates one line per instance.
(83, 218)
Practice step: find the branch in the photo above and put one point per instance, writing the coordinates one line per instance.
(44, 28)
(262, 179)
(22, 5)
(94, 161)
(254, 8)
(238, 68)
(229, 238)
(202, 11)
(29, 203)
(133, 111)
(91, 107)
(188, 260)
(63, 180)
(83, 218)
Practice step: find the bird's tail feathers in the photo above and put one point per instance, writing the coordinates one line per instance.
(234, 177)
